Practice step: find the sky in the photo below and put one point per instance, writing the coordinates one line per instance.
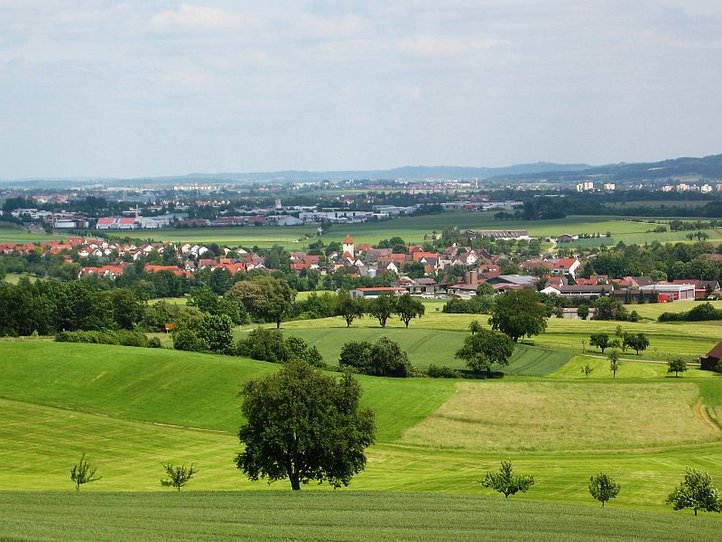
(148, 88)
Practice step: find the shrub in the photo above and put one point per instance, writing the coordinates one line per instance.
(187, 340)
(440, 371)
(153, 342)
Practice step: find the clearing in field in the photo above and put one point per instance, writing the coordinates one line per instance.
(543, 416)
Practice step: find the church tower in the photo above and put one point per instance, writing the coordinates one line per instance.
(348, 246)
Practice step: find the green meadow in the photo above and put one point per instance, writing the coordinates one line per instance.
(414, 229)
(132, 409)
(10, 233)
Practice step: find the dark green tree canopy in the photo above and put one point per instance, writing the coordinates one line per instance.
(381, 308)
(304, 425)
(519, 313)
(485, 348)
(409, 308)
(267, 299)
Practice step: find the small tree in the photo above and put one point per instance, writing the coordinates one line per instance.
(587, 370)
(381, 308)
(349, 308)
(697, 492)
(600, 340)
(636, 342)
(178, 476)
(603, 488)
(475, 326)
(676, 366)
(505, 481)
(614, 362)
(583, 311)
(83, 473)
(408, 308)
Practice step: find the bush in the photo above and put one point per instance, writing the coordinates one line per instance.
(187, 340)
(382, 358)
(131, 338)
(122, 337)
(153, 342)
(439, 371)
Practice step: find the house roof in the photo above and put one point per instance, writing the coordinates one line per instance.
(347, 240)
(716, 352)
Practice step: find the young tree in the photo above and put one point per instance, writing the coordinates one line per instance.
(475, 327)
(603, 488)
(484, 349)
(381, 308)
(697, 492)
(386, 358)
(587, 370)
(349, 308)
(519, 313)
(83, 473)
(506, 482)
(304, 425)
(408, 308)
(583, 311)
(614, 362)
(600, 340)
(676, 365)
(178, 475)
(636, 342)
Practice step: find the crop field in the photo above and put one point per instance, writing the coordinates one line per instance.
(426, 347)
(10, 233)
(413, 229)
(546, 416)
(291, 237)
(342, 516)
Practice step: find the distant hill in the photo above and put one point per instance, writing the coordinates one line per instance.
(707, 167)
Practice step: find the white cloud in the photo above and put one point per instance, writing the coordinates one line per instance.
(439, 45)
(195, 18)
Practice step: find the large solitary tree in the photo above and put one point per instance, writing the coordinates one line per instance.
(304, 425)
(485, 348)
(519, 313)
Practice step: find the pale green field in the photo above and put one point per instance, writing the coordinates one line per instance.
(653, 310)
(413, 229)
(9, 233)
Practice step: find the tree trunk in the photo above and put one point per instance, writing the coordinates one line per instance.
(295, 484)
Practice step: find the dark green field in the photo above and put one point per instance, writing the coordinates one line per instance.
(341, 516)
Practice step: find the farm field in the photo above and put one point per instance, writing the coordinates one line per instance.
(9, 233)
(289, 236)
(131, 409)
(688, 339)
(413, 229)
(342, 516)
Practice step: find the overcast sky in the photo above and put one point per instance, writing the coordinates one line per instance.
(135, 88)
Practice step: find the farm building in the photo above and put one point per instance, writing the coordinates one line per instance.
(709, 361)
(378, 291)
(667, 293)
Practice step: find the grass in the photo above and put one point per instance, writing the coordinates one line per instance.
(10, 233)
(180, 388)
(342, 516)
(425, 347)
(131, 409)
(652, 311)
(413, 229)
(546, 416)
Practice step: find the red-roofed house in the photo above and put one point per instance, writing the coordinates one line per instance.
(566, 266)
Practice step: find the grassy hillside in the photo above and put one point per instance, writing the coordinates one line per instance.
(329, 516)
(425, 347)
(180, 388)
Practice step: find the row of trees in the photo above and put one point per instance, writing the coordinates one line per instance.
(695, 491)
(636, 341)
